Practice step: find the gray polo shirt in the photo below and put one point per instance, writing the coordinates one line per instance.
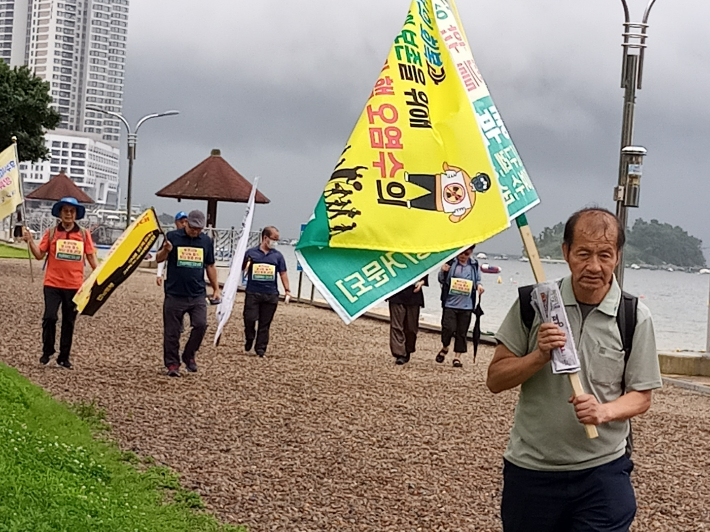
(546, 435)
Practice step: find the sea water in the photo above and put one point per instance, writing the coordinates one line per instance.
(678, 301)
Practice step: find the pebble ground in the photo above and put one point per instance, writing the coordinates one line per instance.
(325, 432)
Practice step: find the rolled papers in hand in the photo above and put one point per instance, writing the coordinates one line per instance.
(547, 301)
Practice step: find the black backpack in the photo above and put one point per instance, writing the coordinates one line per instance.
(625, 321)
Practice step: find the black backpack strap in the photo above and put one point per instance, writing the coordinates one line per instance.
(527, 312)
(626, 321)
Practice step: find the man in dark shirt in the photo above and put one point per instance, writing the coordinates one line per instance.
(261, 265)
(189, 253)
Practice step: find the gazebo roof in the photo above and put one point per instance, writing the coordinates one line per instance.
(212, 179)
(60, 186)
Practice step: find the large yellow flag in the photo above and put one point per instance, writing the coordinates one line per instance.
(429, 169)
(10, 195)
(122, 260)
(416, 175)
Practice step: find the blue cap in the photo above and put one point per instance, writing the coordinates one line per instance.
(180, 215)
(72, 202)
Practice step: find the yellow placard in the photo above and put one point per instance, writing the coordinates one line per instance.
(188, 257)
(461, 287)
(263, 272)
(72, 250)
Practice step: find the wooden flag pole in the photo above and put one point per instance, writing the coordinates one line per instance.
(539, 273)
(22, 206)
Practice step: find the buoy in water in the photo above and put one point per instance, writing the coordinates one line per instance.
(500, 280)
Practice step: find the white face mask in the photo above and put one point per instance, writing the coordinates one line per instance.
(271, 244)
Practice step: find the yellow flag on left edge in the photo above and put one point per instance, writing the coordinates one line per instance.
(122, 260)
(10, 195)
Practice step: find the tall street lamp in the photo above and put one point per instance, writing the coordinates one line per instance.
(626, 194)
(132, 137)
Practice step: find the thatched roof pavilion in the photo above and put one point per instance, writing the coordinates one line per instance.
(212, 180)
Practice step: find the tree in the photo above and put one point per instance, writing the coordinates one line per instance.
(166, 219)
(25, 112)
(549, 243)
(661, 243)
(652, 243)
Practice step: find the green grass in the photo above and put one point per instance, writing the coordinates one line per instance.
(56, 476)
(11, 252)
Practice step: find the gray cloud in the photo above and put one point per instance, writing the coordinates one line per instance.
(278, 87)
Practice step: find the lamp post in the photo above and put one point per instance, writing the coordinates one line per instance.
(627, 191)
(132, 138)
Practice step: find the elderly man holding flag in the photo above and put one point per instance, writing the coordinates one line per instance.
(555, 478)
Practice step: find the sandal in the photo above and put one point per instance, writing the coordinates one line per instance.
(441, 356)
(457, 363)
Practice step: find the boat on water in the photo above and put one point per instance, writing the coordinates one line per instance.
(482, 256)
(490, 268)
(704, 271)
(635, 267)
(524, 259)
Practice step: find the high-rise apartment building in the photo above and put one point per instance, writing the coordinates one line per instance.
(79, 47)
(13, 31)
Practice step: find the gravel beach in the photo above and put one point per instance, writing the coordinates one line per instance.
(325, 432)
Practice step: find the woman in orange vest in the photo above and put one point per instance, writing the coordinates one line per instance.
(66, 246)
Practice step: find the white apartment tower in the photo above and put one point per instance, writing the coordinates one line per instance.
(79, 47)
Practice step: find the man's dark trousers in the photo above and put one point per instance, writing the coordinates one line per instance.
(174, 309)
(259, 307)
(404, 325)
(599, 499)
(53, 299)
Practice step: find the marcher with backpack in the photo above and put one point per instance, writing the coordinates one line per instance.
(460, 281)
(554, 477)
(66, 247)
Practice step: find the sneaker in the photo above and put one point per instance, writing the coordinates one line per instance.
(173, 371)
(401, 360)
(247, 345)
(191, 366)
(44, 359)
(64, 363)
(260, 354)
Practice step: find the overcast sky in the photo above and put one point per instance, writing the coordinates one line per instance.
(278, 86)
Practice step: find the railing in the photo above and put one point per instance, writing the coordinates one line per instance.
(225, 240)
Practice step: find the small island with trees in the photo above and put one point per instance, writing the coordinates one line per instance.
(648, 244)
